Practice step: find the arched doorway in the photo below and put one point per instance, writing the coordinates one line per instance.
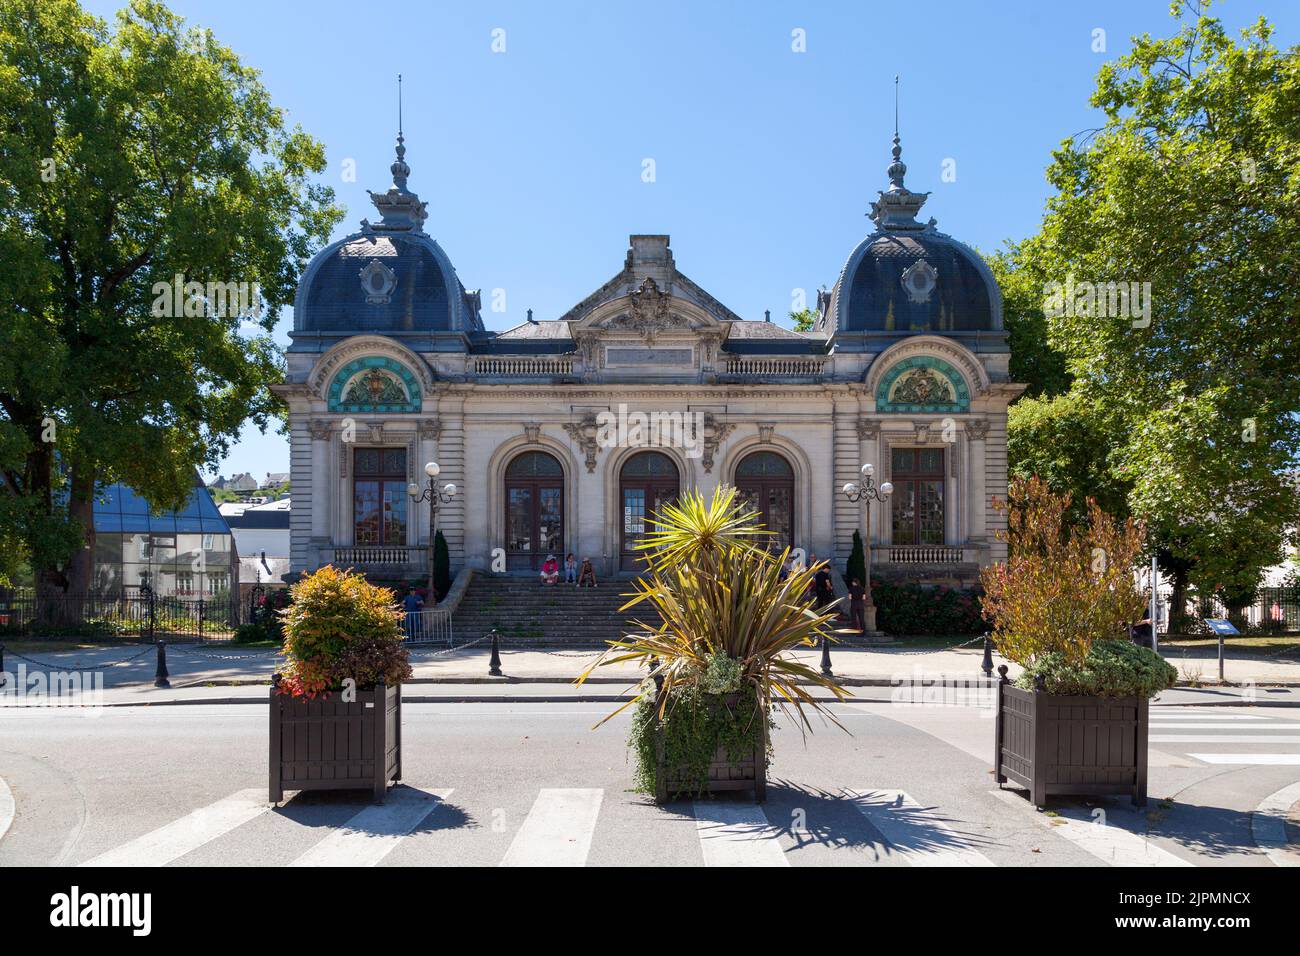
(534, 509)
(765, 481)
(647, 481)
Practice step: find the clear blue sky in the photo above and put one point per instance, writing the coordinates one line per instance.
(766, 159)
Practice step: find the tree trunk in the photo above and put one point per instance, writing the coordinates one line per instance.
(81, 508)
(1178, 617)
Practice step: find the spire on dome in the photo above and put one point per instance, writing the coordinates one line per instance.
(400, 209)
(897, 207)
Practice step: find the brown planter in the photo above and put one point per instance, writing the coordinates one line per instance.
(327, 744)
(749, 773)
(1056, 745)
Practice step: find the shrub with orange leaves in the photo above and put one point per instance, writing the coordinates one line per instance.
(1062, 587)
(341, 626)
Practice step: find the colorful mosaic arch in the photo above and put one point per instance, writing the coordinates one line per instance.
(924, 384)
(374, 384)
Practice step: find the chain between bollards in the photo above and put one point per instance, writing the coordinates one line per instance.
(160, 675)
(987, 665)
(494, 662)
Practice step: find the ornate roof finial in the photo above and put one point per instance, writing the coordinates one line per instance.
(401, 209)
(897, 207)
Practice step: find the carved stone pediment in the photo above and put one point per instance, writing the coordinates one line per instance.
(650, 312)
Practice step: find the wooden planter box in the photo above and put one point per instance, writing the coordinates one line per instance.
(750, 773)
(1078, 746)
(331, 745)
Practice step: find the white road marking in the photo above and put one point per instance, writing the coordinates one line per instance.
(1223, 739)
(921, 837)
(1112, 844)
(1157, 718)
(1258, 760)
(737, 835)
(1218, 726)
(374, 832)
(162, 846)
(1268, 825)
(557, 830)
(7, 808)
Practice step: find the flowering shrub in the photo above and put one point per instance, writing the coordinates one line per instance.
(341, 626)
(913, 609)
(1063, 587)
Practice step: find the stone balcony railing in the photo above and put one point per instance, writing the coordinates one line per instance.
(922, 554)
(776, 367)
(526, 366)
(377, 556)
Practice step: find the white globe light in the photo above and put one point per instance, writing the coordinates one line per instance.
(413, 490)
(887, 488)
(868, 470)
(449, 489)
(432, 469)
(850, 489)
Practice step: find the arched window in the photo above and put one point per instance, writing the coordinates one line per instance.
(647, 481)
(534, 501)
(765, 481)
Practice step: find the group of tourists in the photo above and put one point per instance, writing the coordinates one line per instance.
(581, 577)
(822, 591)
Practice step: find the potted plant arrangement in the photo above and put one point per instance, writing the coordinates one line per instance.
(719, 654)
(336, 707)
(1075, 721)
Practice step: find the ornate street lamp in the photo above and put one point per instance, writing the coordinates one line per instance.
(435, 496)
(866, 491)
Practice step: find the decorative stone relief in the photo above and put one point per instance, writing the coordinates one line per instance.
(320, 430)
(715, 433)
(376, 430)
(922, 434)
(650, 312)
(584, 434)
(977, 428)
(532, 432)
(378, 281)
(868, 429)
(430, 429)
(765, 433)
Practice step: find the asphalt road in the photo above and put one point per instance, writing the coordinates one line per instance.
(521, 783)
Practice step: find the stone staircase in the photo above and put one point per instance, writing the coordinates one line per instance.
(528, 615)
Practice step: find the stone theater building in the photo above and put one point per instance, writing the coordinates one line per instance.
(563, 434)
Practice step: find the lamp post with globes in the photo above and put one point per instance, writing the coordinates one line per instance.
(435, 496)
(867, 491)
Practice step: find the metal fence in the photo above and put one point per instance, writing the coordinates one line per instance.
(1274, 611)
(132, 614)
(430, 626)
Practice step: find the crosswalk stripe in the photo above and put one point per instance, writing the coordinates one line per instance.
(1259, 760)
(917, 834)
(737, 835)
(162, 846)
(1218, 726)
(372, 834)
(7, 807)
(557, 830)
(1268, 825)
(1224, 739)
(1158, 718)
(1112, 844)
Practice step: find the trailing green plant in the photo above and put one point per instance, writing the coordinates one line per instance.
(700, 724)
(1113, 668)
(339, 626)
(249, 634)
(718, 592)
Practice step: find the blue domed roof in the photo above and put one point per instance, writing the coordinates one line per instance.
(907, 277)
(391, 277)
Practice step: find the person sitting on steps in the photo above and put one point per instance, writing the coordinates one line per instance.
(587, 576)
(570, 569)
(550, 570)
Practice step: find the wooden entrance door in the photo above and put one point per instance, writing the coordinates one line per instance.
(534, 501)
(647, 481)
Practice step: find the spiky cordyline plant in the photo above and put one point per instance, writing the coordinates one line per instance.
(717, 590)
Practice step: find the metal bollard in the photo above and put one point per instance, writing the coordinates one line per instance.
(160, 675)
(987, 665)
(826, 656)
(494, 662)
(3, 680)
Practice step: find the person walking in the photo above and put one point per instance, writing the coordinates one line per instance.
(823, 587)
(858, 606)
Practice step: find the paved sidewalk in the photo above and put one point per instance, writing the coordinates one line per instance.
(133, 665)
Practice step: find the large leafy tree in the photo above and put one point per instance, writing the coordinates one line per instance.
(132, 156)
(1193, 186)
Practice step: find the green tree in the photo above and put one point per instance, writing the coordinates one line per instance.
(1034, 362)
(1186, 199)
(441, 567)
(134, 156)
(804, 320)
